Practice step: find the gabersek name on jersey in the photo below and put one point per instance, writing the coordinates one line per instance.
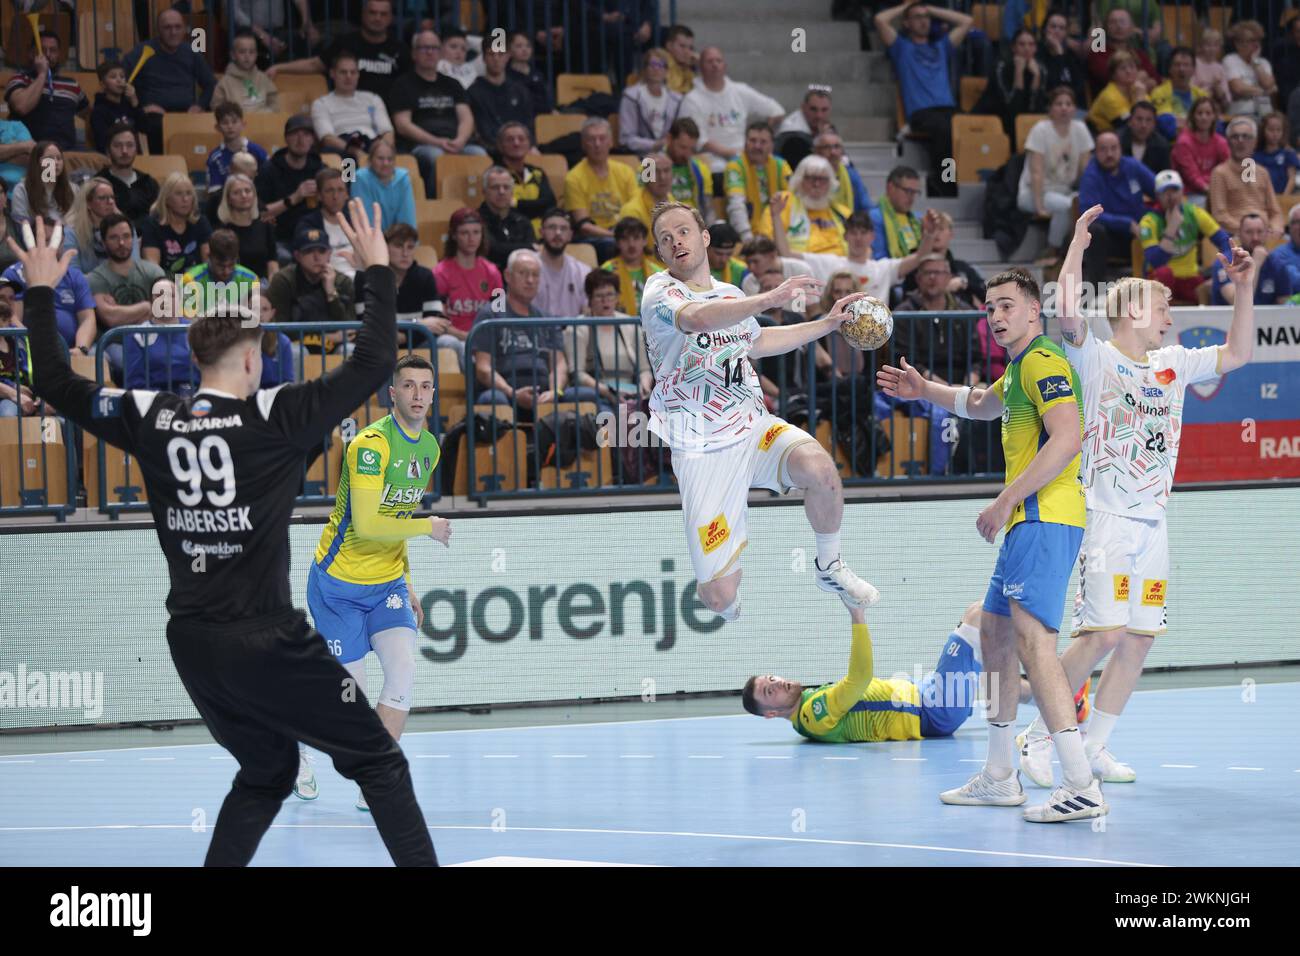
(209, 520)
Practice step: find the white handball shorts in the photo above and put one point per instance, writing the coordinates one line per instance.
(715, 491)
(1123, 575)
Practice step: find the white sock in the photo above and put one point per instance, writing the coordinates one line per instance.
(1002, 741)
(1037, 728)
(971, 635)
(828, 548)
(1074, 763)
(1100, 724)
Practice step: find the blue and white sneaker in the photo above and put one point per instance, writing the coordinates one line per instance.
(838, 579)
(361, 802)
(304, 788)
(1067, 803)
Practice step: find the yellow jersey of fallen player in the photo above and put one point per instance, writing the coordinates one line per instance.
(860, 707)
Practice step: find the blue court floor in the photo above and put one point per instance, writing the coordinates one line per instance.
(1219, 778)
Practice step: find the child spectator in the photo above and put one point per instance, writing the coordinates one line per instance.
(115, 103)
(244, 84)
(230, 125)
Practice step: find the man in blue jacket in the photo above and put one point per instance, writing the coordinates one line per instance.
(1120, 184)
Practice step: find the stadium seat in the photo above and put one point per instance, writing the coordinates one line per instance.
(35, 470)
(972, 88)
(499, 467)
(160, 167)
(555, 168)
(901, 120)
(592, 468)
(574, 86)
(1024, 123)
(827, 440)
(193, 148)
(433, 218)
(1138, 265)
(583, 252)
(175, 123)
(266, 129)
(1286, 202)
(460, 177)
(123, 481)
(332, 160)
(627, 159)
(89, 83)
(1220, 18)
(323, 474)
(988, 17)
(1180, 24)
(978, 142)
(294, 100)
(551, 126)
(310, 84)
(105, 31)
(909, 454)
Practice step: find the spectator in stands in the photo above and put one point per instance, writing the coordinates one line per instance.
(1017, 84)
(175, 234)
(898, 230)
(47, 102)
(418, 299)
(1210, 73)
(723, 109)
(1288, 254)
(611, 359)
(160, 361)
(1275, 156)
(752, 178)
(723, 265)
(875, 277)
(466, 277)
(596, 189)
(430, 112)
(852, 194)
(1232, 192)
(1250, 75)
(648, 108)
(559, 290)
(679, 41)
(332, 197)
(1272, 280)
(15, 368)
(498, 97)
(1171, 237)
(922, 65)
(268, 22)
(238, 213)
(781, 377)
(1198, 150)
(167, 80)
(116, 102)
(1140, 139)
(761, 256)
(230, 126)
(1173, 99)
(134, 191)
(1118, 183)
(507, 228)
(653, 191)
(1286, 59)
(632, 266)
(221, 283)
(286, 184)
(1061, 65)
(1111, 107)
(965, 277)
(122, 284)
(533, 193)
(380, 56)
(521, 65)
(15, 153)
(455, 61)
(811, 225)
(244, 163)
(45, 191)
(349, 120)
(941, 349)
(1293, 117)
(1121, 37)
(813, 115)
(1057, 150)
(7, 228)
(74, 306)
(243, 83)
(845, 361)
(386, 183)
(308, 290)
(94, 202)
(692, 180)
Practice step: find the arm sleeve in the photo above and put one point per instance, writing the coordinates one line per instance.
(305, 413)
(1047, 379)
(406, 205)
(826, 708)
(320, 117)
(1152, 254)
(575, 192)
(206, 79)
(1198, 365)
(757, 104)
(545, 201)
(367, 460)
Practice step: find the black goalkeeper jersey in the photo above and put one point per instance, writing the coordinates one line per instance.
(221, 472)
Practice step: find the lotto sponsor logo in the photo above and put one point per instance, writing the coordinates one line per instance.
(769, 436)
(1153, 593)
(713, 534)
(1165, 376)
(1120, 586)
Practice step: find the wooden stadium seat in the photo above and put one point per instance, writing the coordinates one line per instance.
(555, 168)
(1180, 24)
(592, 468)
(193, 148)
(412, 167)
(452, 388)
(426, 256)
(313, 366)
(123, 481)
(160, 167)
(175, 123)
(433, 218)
(827, 440)
(332, 160)
(1024, 123)
(972, 88)
(313, 84)
(988, 17)
(909, 447)
(1286, 202)
(583, 252)
(1138, 263)
(551, 126)
(460, 177)
(295, 101)
(1220, 18)
(978, 142)
(35, 471)
(499, 467)
(105, 31)
(265, 129)
(574, 86)
(89, 83)
(323, 475)
(634, 162)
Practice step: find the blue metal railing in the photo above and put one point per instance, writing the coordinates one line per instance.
(18, 496)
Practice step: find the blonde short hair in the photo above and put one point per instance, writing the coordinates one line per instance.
(171, 185)
(667, 207)
(1129, 290)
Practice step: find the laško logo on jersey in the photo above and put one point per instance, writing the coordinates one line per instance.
(401, 496)
(713, 534)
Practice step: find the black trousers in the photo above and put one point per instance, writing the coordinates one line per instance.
(263, 688)
(936, 123)
(1104, 245)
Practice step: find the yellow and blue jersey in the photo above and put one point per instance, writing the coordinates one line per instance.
(1036, 380)
(385, 473)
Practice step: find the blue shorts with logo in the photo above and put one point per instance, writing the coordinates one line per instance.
(1034, 569)
(948, 692)
(348, 615)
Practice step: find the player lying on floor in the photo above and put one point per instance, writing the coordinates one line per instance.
(862, 707)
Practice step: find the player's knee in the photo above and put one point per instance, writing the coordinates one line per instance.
(396, 652)
(810, 468)
(1106, 641)
(718, 595)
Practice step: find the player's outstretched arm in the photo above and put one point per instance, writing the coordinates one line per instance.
(1241, 334)
(1074, 326)
(72, 395)
(779, 339)
(724, 313)
(984, 404)
(845, 693)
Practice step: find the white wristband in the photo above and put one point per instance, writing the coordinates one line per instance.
(959, 406)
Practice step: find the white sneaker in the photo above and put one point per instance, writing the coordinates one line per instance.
(1036, 758)
(732, 615)
(982, 790)
(304, 788)
(361, 801)
(1067, 803)
(1106, 768)
(839, 579)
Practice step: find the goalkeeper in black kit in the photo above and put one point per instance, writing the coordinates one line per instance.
(222, 470)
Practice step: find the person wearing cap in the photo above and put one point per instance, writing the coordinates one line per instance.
(1171, 236)
(286, 183)
(723, 265)
(1273, 285)
(308, 290)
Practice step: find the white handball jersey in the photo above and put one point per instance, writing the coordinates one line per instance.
(1133, 419)
(706, 392)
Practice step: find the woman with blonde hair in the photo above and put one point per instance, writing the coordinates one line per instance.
(1209, 74)
(1250, 76)
(175, 235)
(811, 224)
(238, 211)
(648, 107)
(94, 201)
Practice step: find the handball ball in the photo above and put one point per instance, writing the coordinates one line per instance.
(870, 326)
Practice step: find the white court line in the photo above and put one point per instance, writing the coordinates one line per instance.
(1245, 768)
(910, 759)
(648, 833)
(855, 758)
(500, 756)
(3, 762)
(1179, 766)
(87, 760)
(971, 760)
(432, 756)
(568, 756)
(222, 757)
(157, 758)
(636, 756)
(719, 757)
(772, 757)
